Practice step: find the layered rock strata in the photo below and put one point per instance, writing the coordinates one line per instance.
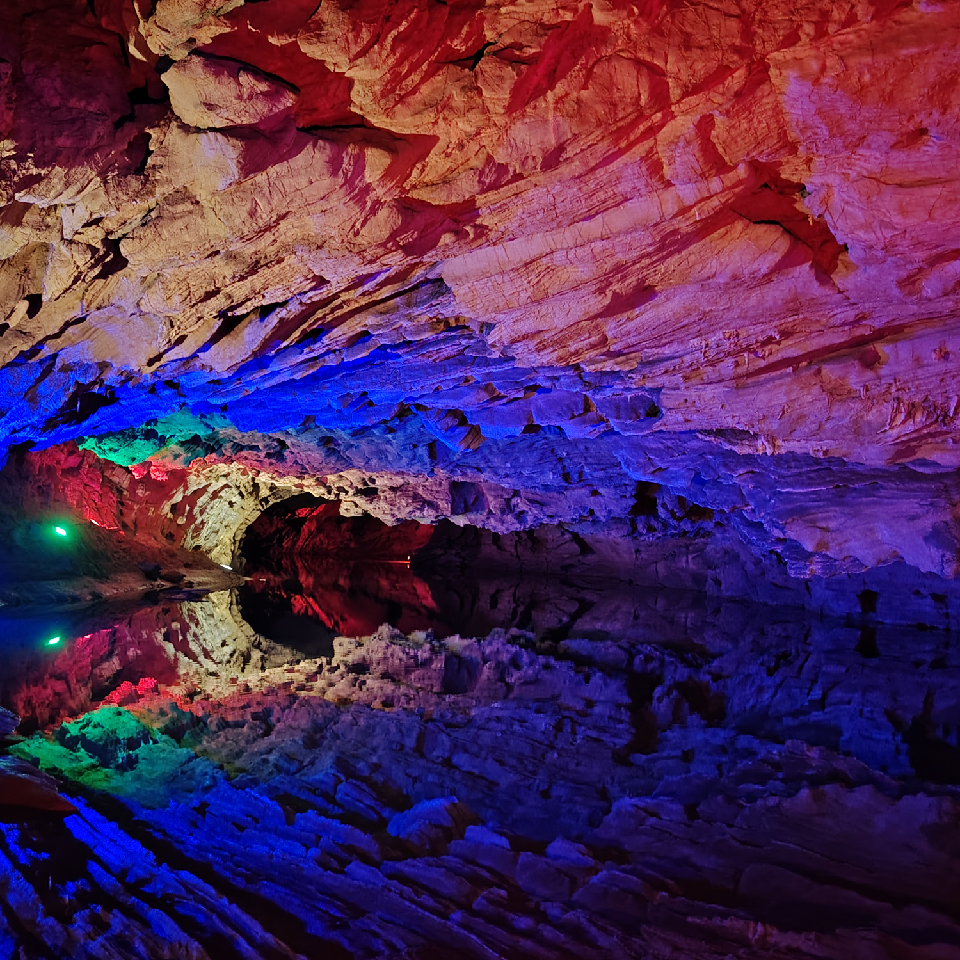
(541, 246)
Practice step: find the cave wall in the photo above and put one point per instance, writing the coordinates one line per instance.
(556, 249)
(184, 516)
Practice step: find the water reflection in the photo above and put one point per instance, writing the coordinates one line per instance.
(639, 726)
(354, 597)
(746, 666)
(114, 652)
(61, 662)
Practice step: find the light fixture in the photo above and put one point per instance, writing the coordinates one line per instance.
(53, 641)
(60, 531)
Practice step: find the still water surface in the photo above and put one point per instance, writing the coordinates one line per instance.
(759, 668)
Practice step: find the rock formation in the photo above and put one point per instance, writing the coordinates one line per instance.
(635, 321)
(557, 249)
(24, 789)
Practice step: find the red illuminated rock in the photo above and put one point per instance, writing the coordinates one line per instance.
(24, 786)
(740, 218)
(210, 94)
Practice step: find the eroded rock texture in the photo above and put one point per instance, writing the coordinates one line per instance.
(559, 248)
(646, 312)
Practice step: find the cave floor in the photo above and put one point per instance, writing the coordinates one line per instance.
(636, 774)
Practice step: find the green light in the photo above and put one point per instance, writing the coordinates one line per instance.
(53, 641)
(60, 531)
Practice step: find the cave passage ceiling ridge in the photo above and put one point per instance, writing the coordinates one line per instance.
(505, 263)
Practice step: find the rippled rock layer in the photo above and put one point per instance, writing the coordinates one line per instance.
(553, 249)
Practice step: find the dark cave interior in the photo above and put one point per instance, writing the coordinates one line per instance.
(326, 695)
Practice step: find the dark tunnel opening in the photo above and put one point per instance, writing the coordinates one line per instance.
(313, 573)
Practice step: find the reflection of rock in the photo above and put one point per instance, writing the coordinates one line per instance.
(515, 820)
(196, 645)
(346, 598)
(311, 568)
(99, 649)
(117, 653)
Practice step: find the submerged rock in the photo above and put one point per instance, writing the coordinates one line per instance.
(520, 818)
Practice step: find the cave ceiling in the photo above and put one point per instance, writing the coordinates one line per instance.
(558, 249)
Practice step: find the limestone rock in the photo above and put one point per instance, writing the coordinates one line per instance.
(8, 722)
(780, 825)
(431, 824)
(668, 292)
(209, 93)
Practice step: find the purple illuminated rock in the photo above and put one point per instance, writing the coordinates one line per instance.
(8, 722)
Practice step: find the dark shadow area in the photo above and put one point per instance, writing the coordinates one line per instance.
(312, 574)
(271, 614)
(310, 568)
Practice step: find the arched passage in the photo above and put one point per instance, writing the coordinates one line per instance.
(313, 573)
